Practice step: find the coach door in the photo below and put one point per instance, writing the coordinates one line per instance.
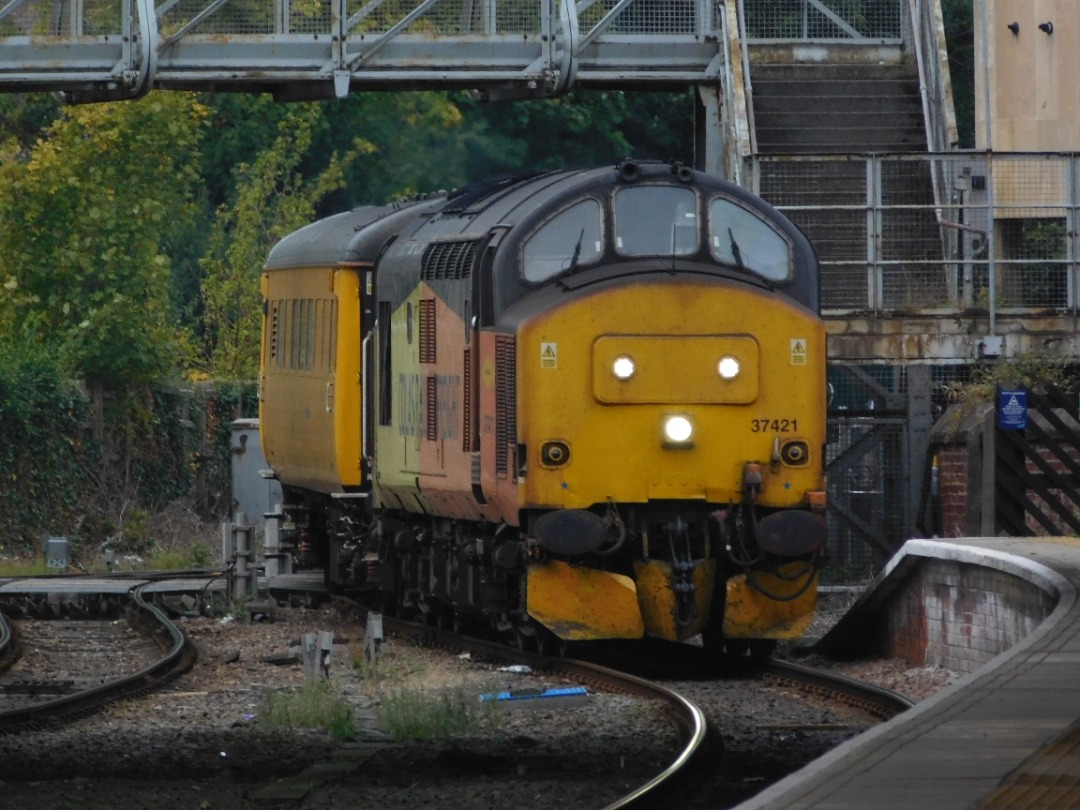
(310, 385)
(342, 397)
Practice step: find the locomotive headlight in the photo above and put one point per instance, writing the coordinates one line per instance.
(728, 368)
(624, 367)
(678, 430)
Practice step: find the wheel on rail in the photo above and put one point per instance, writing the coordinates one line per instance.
(524, 636)
(443, 618)
(756, 648)
(737, 647)
(762, 647)
(523, 641)
(547, 643)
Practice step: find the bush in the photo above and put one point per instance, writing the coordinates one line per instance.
(44, 448)
(316, 704)
(128, 467)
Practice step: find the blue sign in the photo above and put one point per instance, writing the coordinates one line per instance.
(1012, 409)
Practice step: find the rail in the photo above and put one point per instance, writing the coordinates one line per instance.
(177, 657)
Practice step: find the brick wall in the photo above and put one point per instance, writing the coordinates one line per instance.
(953, 488)
(958, 615)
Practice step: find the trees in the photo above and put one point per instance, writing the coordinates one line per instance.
(132, 237)
(84, 216)
(271, 199)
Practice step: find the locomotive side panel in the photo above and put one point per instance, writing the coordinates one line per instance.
(424, 443)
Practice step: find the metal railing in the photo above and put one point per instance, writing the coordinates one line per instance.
(100, 49)
(874, 21)
(1004, 238)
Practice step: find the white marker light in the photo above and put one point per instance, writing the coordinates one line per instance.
(728, 368)
(623, 368)
(677, 429)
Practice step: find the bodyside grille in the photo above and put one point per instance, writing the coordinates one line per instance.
(505, 402)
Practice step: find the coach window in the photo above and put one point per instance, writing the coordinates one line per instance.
(656, 221)
(569, 239)
(742, 238)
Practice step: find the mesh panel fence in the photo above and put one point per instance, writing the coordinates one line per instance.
(65, 18)
(444, 17)
(831, 19)
(902, 233)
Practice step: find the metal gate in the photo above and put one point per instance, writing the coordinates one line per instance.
(876, 463)
(1037, 467)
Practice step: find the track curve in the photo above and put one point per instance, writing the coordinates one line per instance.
(149, 621)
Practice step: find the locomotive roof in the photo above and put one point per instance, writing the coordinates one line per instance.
(359, 235)
(340, 238)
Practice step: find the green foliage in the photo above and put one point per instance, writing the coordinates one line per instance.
(272, 199)
(82, 223)
(582, 129)
(25, 117)
(317, 704)
(1032, 370)
(24, 567)
(960, 41)
(43, 448)
(112, 466)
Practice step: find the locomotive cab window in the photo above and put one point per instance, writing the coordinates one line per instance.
(741, 238)
(656, 221)
(569, 239)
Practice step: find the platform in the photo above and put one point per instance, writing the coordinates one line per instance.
(1006, 735)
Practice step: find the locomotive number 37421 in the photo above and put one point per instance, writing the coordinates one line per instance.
(774, 425)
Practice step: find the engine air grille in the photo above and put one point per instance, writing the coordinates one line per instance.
(448, 260)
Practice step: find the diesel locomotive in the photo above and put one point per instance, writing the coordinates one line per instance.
(576, 405)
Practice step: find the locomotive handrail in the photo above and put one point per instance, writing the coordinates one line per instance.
(364, 414)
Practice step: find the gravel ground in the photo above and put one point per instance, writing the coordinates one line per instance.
(206, 744)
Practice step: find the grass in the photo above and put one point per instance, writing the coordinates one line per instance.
(415, 702)
(196, 555)
(23, 567)
(316, 704)
(416, 714)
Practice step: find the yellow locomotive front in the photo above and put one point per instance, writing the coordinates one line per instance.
(690, 413)
(671, 424)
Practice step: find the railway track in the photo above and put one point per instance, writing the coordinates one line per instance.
(106, 649)
(685, 773)
(876, 701)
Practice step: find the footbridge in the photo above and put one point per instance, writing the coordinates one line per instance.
(96, 50)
